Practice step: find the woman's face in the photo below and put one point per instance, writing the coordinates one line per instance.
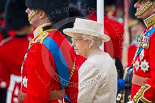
(81, 46)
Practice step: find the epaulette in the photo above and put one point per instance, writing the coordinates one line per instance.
(41, 38)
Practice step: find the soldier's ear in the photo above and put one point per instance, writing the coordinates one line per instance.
(42, 14)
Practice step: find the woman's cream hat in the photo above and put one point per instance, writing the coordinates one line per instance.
(87, 27)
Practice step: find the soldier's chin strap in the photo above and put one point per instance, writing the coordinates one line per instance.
(145, 8)
(33, 13)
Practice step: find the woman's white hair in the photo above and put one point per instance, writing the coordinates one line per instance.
(94, 40)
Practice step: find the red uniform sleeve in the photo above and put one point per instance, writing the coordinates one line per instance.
(38, 68)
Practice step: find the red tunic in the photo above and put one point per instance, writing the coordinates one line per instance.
(39, 69)
(144, 66)
(11, 57)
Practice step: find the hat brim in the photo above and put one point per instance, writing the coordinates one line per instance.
(71, 32)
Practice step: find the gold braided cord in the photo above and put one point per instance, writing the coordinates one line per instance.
(73, 68)
(59, 101)
(145, 8)
(71, 74)
(33, 13)
(145, 100)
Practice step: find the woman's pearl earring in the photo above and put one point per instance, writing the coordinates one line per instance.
(89, 46)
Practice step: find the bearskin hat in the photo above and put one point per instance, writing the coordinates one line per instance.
(2, 5)
(57, 10)
(15, 16)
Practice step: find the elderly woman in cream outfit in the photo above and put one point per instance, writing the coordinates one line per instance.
(97, 75)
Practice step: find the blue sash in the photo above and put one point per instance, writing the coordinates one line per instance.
(59, 60)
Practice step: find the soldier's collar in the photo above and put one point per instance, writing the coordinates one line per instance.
(20, 36)
(150, 21)
(41, 28)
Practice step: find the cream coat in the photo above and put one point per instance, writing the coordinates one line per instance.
(98, 80)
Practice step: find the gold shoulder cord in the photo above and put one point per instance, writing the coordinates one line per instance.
(71, 74)
(145, 8)
(73, 68)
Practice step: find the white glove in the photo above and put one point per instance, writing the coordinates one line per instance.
(130, 102)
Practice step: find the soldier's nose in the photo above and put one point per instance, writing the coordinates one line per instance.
(27, 10)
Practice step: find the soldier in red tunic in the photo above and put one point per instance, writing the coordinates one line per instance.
(112, 27)
(50, 61)
(12, 52)
(3, 35)
(143, 81)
